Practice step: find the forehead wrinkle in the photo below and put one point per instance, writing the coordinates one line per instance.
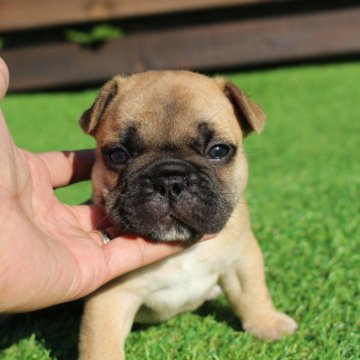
(165, 124)
(167, 107)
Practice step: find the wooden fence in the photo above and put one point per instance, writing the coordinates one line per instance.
(162, 34)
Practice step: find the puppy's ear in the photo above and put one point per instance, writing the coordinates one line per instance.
(249, 114)
(90, 119)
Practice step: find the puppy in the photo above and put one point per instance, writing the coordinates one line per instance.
(171, 167)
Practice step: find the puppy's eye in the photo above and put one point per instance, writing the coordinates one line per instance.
(118, 156)
(219, 151)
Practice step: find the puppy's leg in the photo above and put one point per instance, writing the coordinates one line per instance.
(245, 287)
(106, 322)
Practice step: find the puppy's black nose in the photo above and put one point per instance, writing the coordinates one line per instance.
(170, 187)
(169, 177)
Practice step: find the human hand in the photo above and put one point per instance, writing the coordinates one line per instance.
(51, 252)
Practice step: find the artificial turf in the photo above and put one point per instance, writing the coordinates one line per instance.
(304, 198)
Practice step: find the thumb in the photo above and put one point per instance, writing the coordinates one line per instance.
(128, 253)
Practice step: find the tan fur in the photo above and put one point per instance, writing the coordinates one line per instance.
(182, 282)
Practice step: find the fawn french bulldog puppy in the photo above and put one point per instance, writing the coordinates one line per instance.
(171, 167)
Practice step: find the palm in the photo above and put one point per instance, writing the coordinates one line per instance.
(62, 233)
(70, 227)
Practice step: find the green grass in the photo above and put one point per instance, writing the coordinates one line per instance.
(303, 193)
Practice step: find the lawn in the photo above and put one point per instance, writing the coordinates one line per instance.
(304, 197)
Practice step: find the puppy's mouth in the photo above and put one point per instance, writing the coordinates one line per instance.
(168, 229)
(159, 221)
(172, 228)
(165, 226)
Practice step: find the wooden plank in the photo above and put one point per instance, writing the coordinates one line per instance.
(23, 14)
(237, 43)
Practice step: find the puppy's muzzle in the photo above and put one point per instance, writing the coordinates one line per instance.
(170, 199)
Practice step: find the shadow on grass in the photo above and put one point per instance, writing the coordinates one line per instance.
(221, 313)
(57, 328)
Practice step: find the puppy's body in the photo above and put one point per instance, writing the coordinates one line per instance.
(182, 282)
(170, 166)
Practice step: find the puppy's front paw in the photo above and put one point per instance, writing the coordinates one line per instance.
(270, 326)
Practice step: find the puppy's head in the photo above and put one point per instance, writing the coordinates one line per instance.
(170, 164)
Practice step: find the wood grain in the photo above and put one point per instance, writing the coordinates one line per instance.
(212, 46)
(23, 14)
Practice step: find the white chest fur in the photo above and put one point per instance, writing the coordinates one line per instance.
(185, 290)
(181, 283)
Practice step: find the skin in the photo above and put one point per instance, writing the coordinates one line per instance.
(51, 252)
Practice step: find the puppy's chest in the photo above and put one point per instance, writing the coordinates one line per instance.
(179, 285)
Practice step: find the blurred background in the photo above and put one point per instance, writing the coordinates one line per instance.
(53, 44)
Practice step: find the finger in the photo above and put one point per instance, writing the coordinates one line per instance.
(91, 217)
(4, 78)
(129, 253)
(68, 167)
